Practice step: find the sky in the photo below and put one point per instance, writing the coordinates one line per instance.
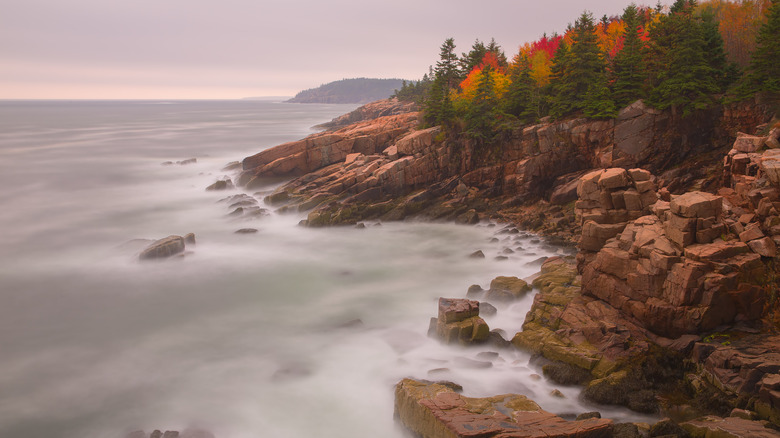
(232, 49)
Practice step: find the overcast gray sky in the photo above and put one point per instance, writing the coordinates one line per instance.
(240, 48)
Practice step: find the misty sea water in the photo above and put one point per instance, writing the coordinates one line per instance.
(287, 332)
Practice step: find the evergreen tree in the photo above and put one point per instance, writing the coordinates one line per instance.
(478, 51)
(628, 66)
(724, 72)
(494, 48)
(560, 102)
(472, 59)
(522, 95)
(685, 80)
(598, 102)
(481, 115)
(447, 66)
(437, 106)
(584, 68)
(764, 70)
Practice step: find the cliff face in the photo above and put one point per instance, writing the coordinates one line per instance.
(421, 172)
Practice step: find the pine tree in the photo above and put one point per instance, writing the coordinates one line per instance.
(560, 102)
(598, 102)
(685, 80)
(724, 72)
(472, 59)
(437, 105)
(494, 48)
(447, 66)
(584, 65)
(628, 67)
(522, 96)
(764, 70)
(482, 113)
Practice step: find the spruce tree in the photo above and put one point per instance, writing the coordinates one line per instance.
(598, 102)
(685, 80)
(584, 67)
(496, 50)
(628, 66)
(481, 115)
(724, 72)
(560, 102)
(472, 59)
(447, 66)
(764, 71)
(522, 96)
(437, 105)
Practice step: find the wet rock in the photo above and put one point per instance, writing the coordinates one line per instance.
(436, 411)
(464, 362)
(475, 291)
(478, 254)
(537, 262)
(565, 374)
(163, 248)
(731, 427)
(667, 427)
(507, 289)
(233, 165)
(246, 231)
(189, 239)
(222, 184)
(586, 415)
(488, 355)
(625, 430)
(558, 394)
(459, 322)
(487, 309)
(496, 339)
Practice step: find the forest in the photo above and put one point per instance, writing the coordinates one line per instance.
(685, 58)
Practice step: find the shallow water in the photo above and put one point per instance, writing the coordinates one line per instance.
(287, 332)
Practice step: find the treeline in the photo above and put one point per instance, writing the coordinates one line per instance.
(673, 58)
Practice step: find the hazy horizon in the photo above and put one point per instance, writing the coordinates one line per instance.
(89, 49)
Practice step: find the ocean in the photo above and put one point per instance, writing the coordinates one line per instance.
(286, 332)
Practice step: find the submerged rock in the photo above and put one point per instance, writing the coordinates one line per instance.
(164, 248)
(222, 184)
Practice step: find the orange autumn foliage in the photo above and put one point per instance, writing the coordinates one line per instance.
(738, 23)
(468, 86)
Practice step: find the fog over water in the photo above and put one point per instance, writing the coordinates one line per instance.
(288, 332)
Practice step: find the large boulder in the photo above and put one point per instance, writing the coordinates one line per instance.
(507, 289)
(434, 410)
(164, 248)
(459, 322)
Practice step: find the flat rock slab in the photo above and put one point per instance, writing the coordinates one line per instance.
(432, 410)
(697, 204)
(731, 427)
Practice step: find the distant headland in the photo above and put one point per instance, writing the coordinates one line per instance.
(358, 90)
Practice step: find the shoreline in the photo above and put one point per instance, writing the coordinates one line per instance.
(372, 170)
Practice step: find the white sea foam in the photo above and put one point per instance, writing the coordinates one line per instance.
(287, 332)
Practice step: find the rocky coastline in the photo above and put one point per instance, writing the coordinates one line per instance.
(670, 304)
